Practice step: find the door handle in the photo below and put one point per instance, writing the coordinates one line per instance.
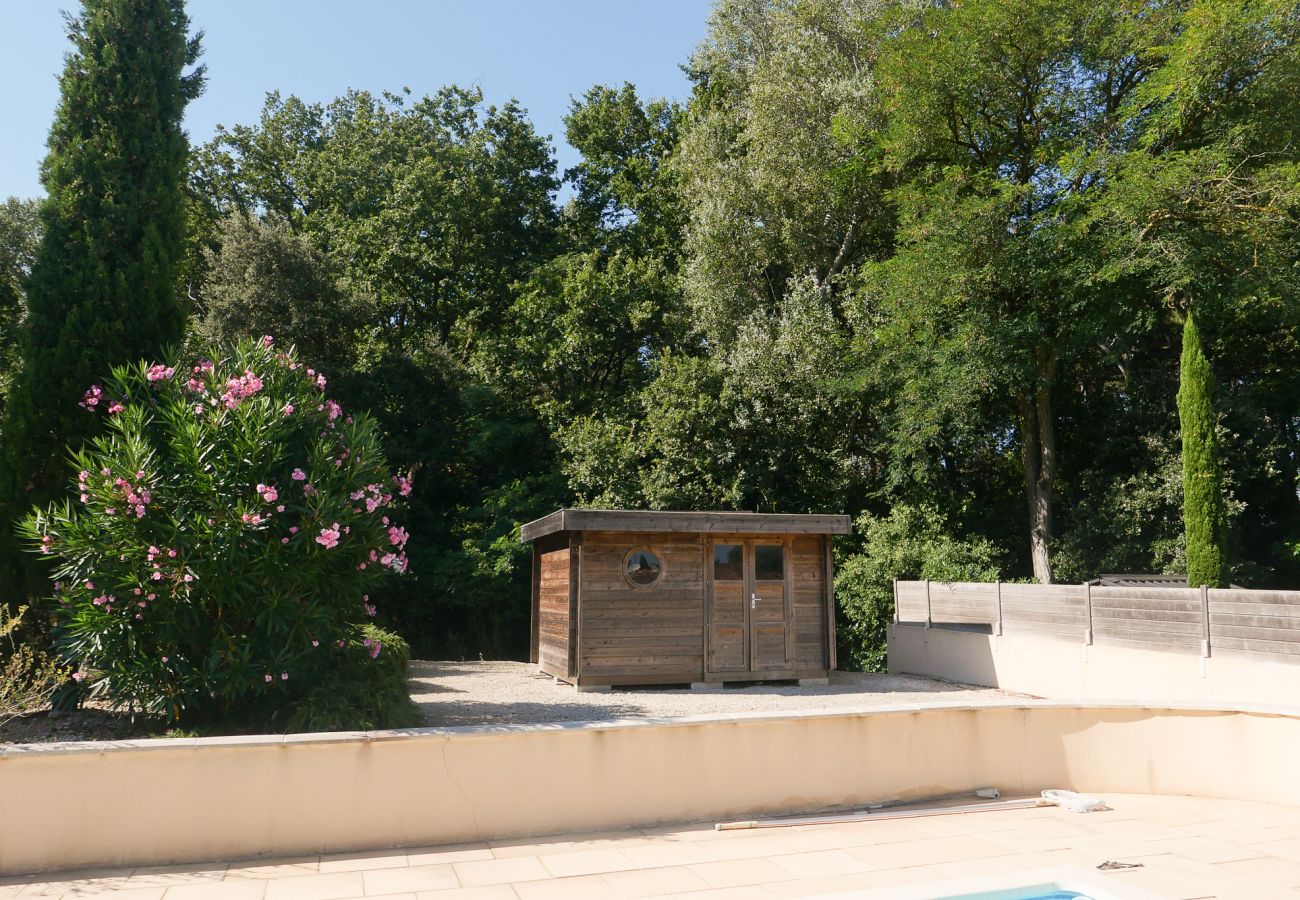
(753, 601)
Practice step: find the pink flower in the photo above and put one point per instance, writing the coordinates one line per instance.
(159, 373)
(315, 643)
(240, 389)
(268, 492)
(284, 540)
(115, 407)
(91, 398)
(288, 410)
(284, 676)
(78, 676)
(403, 485)
(280, 508)
(329, 537)
(298, 475)
(373, 646)
(333, 409)
(398, 536)
(308, 490)
(368, 608)
(205, 365)
(268, 341)
(171, 554)
(268, 678)
(293, 529)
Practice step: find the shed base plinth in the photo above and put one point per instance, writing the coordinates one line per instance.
(591, 688)
(813, 682)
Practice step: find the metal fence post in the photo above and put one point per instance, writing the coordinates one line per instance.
(999, 588)
(1087, 597)
(1205, 619)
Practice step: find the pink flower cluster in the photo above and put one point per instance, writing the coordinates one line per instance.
(403, 485)
(137, 498)
(374, 496)
(268, 492)
(373, 646)
(91, 398)
(329, 537)
(240, 389)
(159, 373)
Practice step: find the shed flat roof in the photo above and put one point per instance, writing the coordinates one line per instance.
(692, 522)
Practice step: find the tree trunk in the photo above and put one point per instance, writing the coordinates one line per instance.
(1038, 453)
(1204, 516)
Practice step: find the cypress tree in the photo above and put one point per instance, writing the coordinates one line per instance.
(1204, 518)
(104, 286)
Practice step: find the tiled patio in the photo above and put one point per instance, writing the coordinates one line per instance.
(1188, 848)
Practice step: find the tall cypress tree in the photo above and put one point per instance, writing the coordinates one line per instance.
(1204, 517)
(104, 286)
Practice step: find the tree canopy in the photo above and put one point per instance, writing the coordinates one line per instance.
(1013, 282)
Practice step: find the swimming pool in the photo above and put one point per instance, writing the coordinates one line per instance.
(1060, 883)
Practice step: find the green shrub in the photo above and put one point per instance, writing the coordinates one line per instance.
(357, 693)
(911, 543)
(29, 675)
(227, 531)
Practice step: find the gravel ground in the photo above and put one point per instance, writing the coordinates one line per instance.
(495, 693)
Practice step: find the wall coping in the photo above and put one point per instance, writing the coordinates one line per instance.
(63, 748)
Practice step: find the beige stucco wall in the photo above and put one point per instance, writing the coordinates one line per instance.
(152, 802)
(1059, 669)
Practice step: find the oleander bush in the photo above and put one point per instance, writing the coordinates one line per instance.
(215, 561)
(358, 692)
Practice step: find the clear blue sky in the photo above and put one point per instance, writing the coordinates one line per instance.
(540, 51)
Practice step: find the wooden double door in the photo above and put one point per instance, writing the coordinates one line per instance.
(750, 617)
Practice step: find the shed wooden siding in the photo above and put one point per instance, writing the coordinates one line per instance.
(641, 634)
(808, 558)
(1261, 625)
(553, 612)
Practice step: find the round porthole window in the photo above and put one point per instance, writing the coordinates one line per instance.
(643, 567)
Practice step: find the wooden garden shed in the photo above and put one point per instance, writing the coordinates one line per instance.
(626, 597)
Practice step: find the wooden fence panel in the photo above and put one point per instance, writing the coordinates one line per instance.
(1261, 625)
(963, 603)
(1161, 618)
(911, 601)
(1051, 609)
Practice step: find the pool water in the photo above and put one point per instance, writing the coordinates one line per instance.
(1026, 894)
